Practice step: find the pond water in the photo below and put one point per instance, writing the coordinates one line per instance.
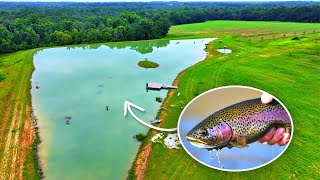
(80, 82)
(225, 51)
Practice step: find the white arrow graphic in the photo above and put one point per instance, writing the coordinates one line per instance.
(127, 107)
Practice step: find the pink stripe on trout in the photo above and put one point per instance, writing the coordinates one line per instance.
(239, 124)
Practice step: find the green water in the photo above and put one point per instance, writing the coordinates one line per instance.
(80, 82)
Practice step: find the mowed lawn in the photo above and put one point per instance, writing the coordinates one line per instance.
(244, 27)
(286, 68)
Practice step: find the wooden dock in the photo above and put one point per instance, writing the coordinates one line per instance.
(159, 86)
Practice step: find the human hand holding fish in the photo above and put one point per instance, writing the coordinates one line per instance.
(261, 119)
(274, 136)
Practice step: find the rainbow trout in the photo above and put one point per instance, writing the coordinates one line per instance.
(239, 124)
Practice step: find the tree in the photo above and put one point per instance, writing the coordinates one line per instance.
(26, 26)
(146, 29)
(61, 37)
(162, 26)
(106, 34)
(65, 25)
(119, 33)
(94, 35)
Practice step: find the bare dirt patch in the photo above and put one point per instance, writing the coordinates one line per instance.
(17, 128)
(143, 158)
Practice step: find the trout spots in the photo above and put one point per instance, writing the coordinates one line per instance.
(249, 119)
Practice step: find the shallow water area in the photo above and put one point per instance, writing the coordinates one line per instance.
(225, 51)
(90, 84)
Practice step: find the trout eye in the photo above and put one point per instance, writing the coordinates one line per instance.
(202, 132)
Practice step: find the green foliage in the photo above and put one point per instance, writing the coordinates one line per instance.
(159, 99)
(2, 77)
(148, 64)
(32, 25)
(36, 28)
(140, 137)
(295, 38)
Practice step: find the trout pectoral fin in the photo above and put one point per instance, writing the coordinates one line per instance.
(240, 142)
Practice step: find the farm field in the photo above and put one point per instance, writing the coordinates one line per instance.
(18, 141)
(244, 27)
(286, 68)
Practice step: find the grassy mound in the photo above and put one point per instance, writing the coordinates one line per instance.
(148, 64)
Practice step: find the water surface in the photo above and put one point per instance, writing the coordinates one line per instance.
(80, 82)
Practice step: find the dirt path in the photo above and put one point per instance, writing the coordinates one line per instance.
(19, 136)
(144, 155)
(143, 158)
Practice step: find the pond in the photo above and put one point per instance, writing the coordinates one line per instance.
(83, 82)
(225, 51)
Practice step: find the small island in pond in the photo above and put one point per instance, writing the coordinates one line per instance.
(148, 64)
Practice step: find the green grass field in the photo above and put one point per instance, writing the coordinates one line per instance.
(244, 27)
(16, 123)
(288, 69)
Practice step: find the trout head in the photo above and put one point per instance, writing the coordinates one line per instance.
(205, 135)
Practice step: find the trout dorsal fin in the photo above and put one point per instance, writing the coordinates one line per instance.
(239, 141)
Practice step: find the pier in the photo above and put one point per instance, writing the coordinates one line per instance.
(159, 86)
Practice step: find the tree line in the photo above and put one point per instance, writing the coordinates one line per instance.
(31, 25)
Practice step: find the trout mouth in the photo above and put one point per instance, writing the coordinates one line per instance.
(198, 143)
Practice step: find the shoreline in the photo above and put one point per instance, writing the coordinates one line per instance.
(19, 139)
(37, 140)
(140, 163)
(21, 124)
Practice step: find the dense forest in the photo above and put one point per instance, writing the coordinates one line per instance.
(31, 25)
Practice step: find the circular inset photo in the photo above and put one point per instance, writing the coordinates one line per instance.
(235, 128)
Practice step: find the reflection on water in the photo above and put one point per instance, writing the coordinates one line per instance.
(90, 84)
(236, 158)
(143, 47)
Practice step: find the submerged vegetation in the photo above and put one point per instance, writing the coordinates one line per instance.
(148, 64)
(159, 99)
(140, 137)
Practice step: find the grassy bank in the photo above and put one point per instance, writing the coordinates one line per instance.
(243, 27)
(18, 140)
(148, 64)
(289, 69)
